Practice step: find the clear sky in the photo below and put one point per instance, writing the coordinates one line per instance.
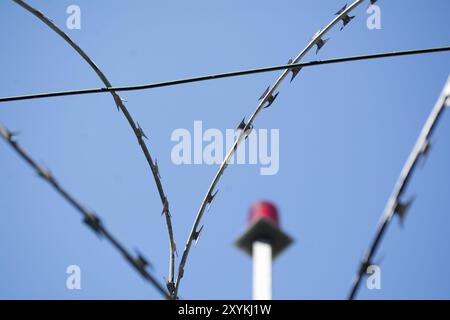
(345, 133)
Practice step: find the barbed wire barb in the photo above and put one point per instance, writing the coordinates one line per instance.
(90, 219)
(267, 97)
(395, 204)
(139, 133)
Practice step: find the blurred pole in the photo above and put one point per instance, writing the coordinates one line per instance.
(262, 270)
(263, 240)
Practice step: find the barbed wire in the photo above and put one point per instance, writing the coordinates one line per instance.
(223, 75)
(395, 203)
(245, 128)
(138, 131)
(139, 263)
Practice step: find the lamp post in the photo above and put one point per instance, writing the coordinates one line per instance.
(264, 241)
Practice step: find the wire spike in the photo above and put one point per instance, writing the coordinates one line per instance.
(346, 20)
(165, 209)
(265, 93)
(94, 222)
(210, 198)
(140, 132)
(271, 99)
(196, 235)
(294, 71)
(320, 43)
(341, 10)
(157, 169)
(141, 261)
(118, 101)
(241, 125)
(170, 286)
(425, 150)
(46, 174)
(10, 135)
(365, 263)
(402, 208)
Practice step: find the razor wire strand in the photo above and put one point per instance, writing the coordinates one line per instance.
(396, 205)
(245, 129)
(222, 75)
(138, 131)
(92, 221)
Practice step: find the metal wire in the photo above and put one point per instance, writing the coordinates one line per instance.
(138, 131)
(223, 75)
(269, 97)
(396, 205)
(91, 220)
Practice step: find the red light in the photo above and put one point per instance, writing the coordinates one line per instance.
(263, 210)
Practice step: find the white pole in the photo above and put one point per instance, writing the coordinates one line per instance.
(262, 270)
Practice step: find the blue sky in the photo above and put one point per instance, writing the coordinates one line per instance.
(345, 133)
